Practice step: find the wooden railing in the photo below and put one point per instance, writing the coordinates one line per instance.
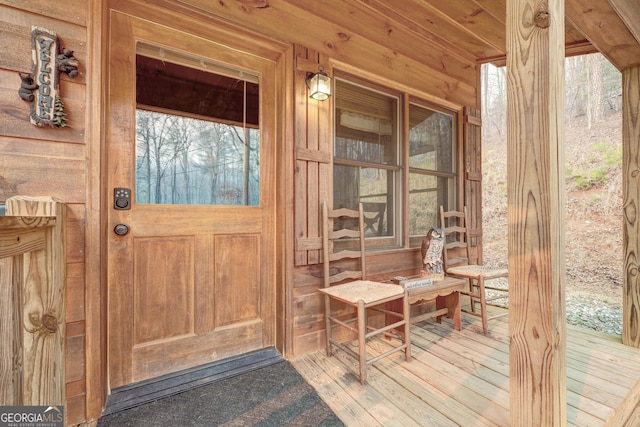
(32, 313)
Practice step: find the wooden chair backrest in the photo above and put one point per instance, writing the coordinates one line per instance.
(457, 249)
(374, 217)
(330, 235)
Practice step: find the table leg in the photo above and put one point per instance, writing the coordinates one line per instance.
(452, 303)
(395, 305)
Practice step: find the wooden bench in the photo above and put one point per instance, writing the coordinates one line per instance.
(445, 293)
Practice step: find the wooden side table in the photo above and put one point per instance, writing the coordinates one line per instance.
(446, 295)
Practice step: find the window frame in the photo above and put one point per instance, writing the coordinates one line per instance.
(182, 68)
(453, 176)
(401, 238)
(396, 239)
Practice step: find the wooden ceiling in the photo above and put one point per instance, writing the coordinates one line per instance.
(477, 28)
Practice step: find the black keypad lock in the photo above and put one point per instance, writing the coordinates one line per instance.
(121, 198)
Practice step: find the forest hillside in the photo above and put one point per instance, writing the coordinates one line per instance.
(593, 164)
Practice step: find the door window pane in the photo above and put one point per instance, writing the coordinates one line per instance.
(197, 131)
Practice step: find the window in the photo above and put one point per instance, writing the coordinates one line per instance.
(366, 157)
(375, 166)
(431, 167)
(197, 132)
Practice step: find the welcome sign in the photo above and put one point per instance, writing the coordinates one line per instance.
(45, 75)
(40, 87)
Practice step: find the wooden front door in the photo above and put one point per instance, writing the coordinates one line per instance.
(190, 168)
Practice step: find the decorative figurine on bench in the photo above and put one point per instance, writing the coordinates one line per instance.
(432, 246)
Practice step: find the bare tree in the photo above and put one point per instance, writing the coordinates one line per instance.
(595, 89)
(181, 139)
(143, 156)
(494, 100)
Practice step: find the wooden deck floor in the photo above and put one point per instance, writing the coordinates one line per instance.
(462, 379)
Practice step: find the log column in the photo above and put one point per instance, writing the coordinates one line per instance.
(537, 326)
(631, 204)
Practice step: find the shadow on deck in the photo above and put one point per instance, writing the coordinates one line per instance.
(462, 379)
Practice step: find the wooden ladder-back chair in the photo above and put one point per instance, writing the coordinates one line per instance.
(364, 296)
(459, 262)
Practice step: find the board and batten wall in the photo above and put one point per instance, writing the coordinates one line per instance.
(65, 163)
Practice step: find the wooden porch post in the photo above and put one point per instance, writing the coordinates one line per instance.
(537, 325)
(631, 204)
(44, 274)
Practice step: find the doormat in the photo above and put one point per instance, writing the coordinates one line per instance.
(275, 395)
(146, 391)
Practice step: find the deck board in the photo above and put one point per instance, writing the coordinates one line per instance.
(462, 378)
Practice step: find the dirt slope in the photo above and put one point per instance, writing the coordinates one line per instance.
(593, 219)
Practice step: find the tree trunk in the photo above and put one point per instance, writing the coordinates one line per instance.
(594, 89)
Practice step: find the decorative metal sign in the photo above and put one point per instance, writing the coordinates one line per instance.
(40, 87)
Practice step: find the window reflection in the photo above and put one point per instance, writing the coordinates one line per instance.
(197, 133)
(431, 161)
(375, 164)
(366, 156)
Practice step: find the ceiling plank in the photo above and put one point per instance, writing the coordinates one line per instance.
(605, 30)
(497, 8)
(583, 47)
(425, 15)
(392, 12)
(572, 34)
(344, 45)
(378, 28)
(472, 18)
(629, 12)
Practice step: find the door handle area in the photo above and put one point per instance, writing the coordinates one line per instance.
(121, 229)
(121, 198)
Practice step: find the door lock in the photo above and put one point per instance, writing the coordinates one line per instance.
(121, 229)
(121, 198)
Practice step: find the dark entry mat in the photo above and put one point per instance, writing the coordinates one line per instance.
(156, 388)
(274, 395)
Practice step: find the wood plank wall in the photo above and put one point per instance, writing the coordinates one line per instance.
(47, 161)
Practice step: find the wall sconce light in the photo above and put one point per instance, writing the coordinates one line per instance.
(319, 85)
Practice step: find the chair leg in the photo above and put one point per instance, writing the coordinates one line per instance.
(407, 325)
(327, 322)
(362, 345)
(483, 304)
(472, 300)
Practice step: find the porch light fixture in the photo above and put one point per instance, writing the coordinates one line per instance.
(319, 85)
